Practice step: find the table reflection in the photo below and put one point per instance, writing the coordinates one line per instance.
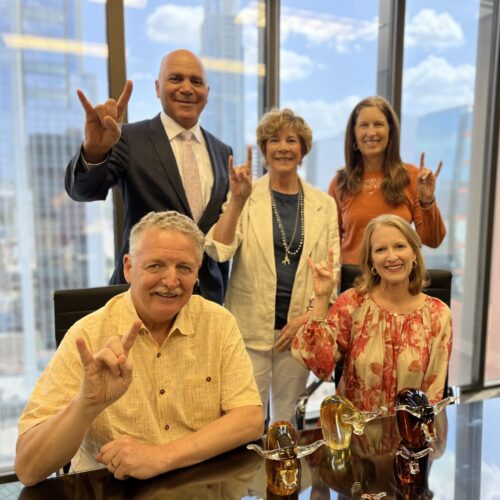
(463, 465)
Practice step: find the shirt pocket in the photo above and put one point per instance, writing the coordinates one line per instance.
(203, 398)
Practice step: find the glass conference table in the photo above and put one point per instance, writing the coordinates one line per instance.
(465, 465)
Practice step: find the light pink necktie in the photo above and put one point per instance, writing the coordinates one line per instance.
(191, 181)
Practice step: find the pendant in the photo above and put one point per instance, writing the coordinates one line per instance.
(286, 260)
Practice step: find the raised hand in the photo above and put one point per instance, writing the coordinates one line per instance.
(323, 276)
(103, 124)
(427, 181)
(107, 374)
(240, 178)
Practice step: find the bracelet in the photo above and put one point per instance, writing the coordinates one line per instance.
(427, 203)
(319, 320)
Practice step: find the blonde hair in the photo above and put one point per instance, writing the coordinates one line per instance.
(278, 119)
(418, 275)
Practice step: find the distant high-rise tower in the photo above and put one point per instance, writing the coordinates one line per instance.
(43, 237)
(221, 45)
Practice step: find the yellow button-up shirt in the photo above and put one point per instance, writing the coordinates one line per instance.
(200, 372)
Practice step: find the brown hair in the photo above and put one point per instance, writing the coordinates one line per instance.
(277, 119)
(396, 177)
(367, 281)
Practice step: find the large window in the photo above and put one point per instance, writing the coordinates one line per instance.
(328, 62)
(225, 35)
(492, 367)
(437, 115)
(47, 241)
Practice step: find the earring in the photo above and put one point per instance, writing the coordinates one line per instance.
(374, 271)
(197, 282)
(355, 146)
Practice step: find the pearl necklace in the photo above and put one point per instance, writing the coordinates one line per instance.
(299, 216)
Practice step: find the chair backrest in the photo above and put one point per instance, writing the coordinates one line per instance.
(71, 305)
(439, 286)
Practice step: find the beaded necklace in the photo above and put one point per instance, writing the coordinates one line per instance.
(299, 217)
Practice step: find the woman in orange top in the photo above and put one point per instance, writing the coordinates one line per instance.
(391, 334)
(375, 181)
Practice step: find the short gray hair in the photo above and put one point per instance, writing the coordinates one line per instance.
(168, 221)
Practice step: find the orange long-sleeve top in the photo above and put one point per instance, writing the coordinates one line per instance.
(354, 213)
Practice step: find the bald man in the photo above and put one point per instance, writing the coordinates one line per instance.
(145, 159)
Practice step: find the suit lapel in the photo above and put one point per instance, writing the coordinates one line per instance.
(220, 186)
(166, 158)
(313, 223)
(261, 221)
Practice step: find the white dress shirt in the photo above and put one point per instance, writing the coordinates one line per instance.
(173, 131)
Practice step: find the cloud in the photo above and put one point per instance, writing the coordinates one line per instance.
(142, 76)
(432, 31)
(327, 119)
(342, 33)
(136, 4)
(489, 478)
(434, 84)
(175, 24)
(294, 66)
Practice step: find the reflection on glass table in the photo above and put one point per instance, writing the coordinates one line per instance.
(463, 463)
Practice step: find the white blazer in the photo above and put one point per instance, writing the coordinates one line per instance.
(251, 292)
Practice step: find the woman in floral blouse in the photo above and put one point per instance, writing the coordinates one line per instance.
(391, 334)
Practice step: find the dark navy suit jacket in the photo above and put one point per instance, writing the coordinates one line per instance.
(143, 165)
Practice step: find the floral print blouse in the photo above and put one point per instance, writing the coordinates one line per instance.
(384, 351)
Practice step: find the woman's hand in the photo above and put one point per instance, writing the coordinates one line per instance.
(427, 181)
(240, 179)
(288, 332)
(322, 272)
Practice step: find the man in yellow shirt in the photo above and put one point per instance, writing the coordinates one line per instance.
(177, 389)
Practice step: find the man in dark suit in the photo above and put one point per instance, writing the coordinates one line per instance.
(145, 159)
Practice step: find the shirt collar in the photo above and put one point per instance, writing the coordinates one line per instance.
(173, 129)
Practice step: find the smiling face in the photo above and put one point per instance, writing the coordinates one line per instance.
(391, 255)
(162, 273)
(182, 87)
(371, 132)
(284, 152)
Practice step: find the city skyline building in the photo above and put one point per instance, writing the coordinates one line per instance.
(221, 41)
(46, 240)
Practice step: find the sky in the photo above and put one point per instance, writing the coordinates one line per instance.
(328, 55)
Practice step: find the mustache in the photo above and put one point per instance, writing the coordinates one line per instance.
(170, 292)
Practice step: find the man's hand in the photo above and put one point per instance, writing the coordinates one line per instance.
(103, 124)
(427, 181)
(288, 332)
(107, 374)
(240, 179)
(128, 457)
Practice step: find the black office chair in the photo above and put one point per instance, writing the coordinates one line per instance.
(73, 304)
(439, 287)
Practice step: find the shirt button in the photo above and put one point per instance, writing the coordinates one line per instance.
(167, 427)
(162, 391)
(158, 354)
(208, 379)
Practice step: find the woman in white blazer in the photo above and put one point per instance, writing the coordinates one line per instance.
(270, 228)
